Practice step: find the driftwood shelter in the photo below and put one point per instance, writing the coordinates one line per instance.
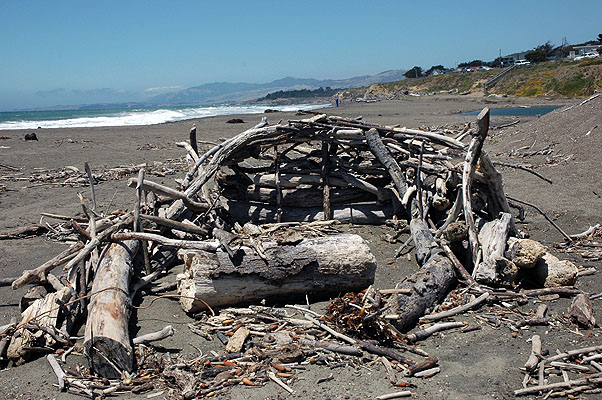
(256, 216)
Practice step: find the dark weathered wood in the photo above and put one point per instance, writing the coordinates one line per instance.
(24, 231)
(193, 142)
(107, 342)
(498, 203)
(428, 285)
(328, 264)
(382, 154)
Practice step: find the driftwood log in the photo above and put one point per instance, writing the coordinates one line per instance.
(107, 342)
(361, 214)
(495, 269)
(429, 285)
(327, 264)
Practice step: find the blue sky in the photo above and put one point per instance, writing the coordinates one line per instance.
(52, 51)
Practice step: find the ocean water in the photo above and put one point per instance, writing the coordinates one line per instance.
(127, 117)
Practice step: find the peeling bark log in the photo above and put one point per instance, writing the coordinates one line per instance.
(329, 264)
(107, 342)
(45, 313)
(495, 269)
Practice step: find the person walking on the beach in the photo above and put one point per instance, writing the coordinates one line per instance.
(336, 99)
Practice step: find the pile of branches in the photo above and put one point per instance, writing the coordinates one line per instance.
(74, 177)
(298, 176)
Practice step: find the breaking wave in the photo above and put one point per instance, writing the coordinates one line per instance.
(98, 118)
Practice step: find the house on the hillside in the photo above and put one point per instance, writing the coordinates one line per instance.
(512, 58)
(581, 50)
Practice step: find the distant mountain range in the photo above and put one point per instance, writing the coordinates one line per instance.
(208, 93)
(224, 92)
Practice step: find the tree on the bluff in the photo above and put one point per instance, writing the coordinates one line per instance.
(540, 53)
(415, 72)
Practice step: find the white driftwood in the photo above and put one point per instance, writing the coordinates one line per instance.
(458, 310)
(470, 162)
(155, 336)
(45, 313)
(58, 371)
(107, 340)
(335, 263)
(423, 334)
(183, 244)
(535, 356)
(169, 192)
(494, 268)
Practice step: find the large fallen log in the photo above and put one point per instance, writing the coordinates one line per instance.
(327, 264)
(107, 342)
(429, 285)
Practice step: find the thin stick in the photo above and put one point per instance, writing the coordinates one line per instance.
(58, 371)
(278, 188)
(459, 267)
(567, 237)
(39, 274)
(184, 244)
(137, 222)
(280, 383)
(573, 353)
(155, 336)
(419, 181)
(458, 310)
(593, 379)
(423, 334)
(396, 395)
(325, 183)
(331, 331)
(91, 180)
(522, 167)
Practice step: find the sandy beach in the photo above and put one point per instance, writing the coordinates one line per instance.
(479, 364)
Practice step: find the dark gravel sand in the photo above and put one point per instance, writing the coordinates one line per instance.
(480, 364)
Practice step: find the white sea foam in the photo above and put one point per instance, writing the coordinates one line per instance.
(146, 117)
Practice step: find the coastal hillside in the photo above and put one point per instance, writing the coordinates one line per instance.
(552, 79)
(222, 92)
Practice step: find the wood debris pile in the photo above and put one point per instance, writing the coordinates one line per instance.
(74, 177)
(255, 217)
